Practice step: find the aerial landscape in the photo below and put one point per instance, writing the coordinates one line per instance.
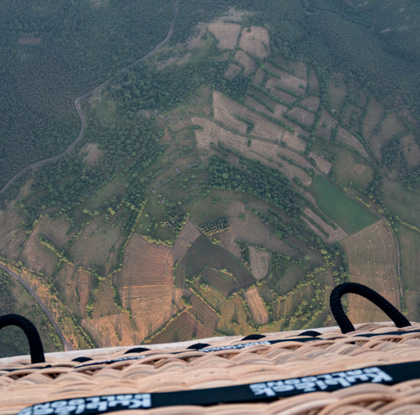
(176, 170)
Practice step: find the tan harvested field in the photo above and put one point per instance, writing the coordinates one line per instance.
(256, 306)
(335, 234)
(90, 154)
(146, 264)
(246, 62)
(374, 114)
(411, 150)
(304, 117)
(226, 33)
(12, 234)
(38, 257)
(151, 306)
(312, 103)
(255, 41)
(279, 109)
(271, 85)
(29, 40)
(343, 136)
(326, 124)
(299, 69)
(259, 77)
(251, 230)
(293, 141)
(321, 163)
(185, 239)
(288, 81)
(225, 110)
(372, 257)
(212, 133)
(232, 71)
(260, 262)
(111, 331)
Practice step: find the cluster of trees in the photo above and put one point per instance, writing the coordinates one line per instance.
(255, 178)
(175, 219)
(215, 225)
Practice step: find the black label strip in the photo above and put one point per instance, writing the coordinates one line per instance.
(262, 392)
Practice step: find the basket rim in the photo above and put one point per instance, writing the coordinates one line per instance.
(214, 341)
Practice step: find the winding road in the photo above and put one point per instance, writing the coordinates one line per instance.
(77, 104)
(67, 345)
(79, 109)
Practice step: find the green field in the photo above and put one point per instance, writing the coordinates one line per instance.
(402, 202)
(349, 214)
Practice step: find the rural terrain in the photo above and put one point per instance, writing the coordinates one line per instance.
(222, 185)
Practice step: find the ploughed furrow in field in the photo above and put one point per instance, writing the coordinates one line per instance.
(202, 311)
(183, 328)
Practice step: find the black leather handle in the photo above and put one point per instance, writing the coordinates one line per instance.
(355, 288)
(35, 344)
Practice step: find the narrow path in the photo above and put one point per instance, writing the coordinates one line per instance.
(67, 345)
(79, 109)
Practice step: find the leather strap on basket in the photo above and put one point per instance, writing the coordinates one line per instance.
(35, 344)
(354, 288)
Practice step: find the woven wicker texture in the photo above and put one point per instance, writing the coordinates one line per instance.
(160, 370)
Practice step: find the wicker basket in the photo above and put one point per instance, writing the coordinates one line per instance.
(280, 369)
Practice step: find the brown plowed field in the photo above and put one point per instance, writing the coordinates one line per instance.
(202, 311)
(289, 82)
(293, 141)
(226, 33)
(299, 69)
(146, 264)
(183, 328)
(312, 103)
(246, 62)
(255, 41)
(225, 110)
(335, 234)
(260, 262)
(372, 257)
(271, 86)
(186, 238)
(304, 117)
(256, 306)
(343, 136)
(232, 71)
(329, 122)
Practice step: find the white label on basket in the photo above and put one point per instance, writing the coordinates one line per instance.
(235, 346)
(321, 382)
(96, 404)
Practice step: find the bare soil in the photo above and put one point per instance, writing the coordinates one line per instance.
(321, 163)
(90, 154)
(255, 41)
(312, 103)
(29, 40)
(259, 77)
(304, 117)
(226, 33)
(185, 239)
(256, 306)
(246, 62)
(326, 124)
(260, 262)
